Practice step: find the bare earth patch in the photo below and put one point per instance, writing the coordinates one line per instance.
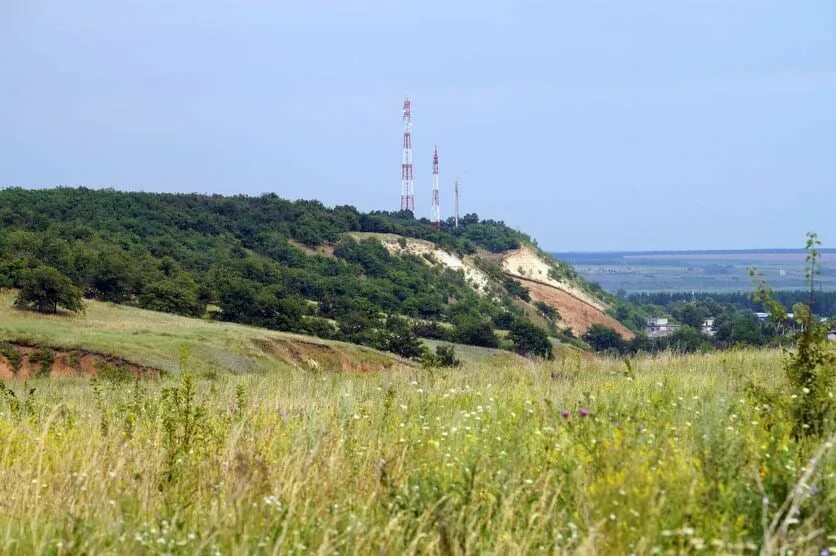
(575, 313)
(68, 364)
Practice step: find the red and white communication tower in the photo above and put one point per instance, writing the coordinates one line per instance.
(407, 191)
(435, 218)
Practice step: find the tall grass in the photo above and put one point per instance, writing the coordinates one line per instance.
(671, 455)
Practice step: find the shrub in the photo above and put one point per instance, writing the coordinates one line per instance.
(45, 356)
(528, 339)
(475, 331)
(12, 355)
(811, 368)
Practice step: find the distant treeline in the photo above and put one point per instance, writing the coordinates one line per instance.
(824, 302)
(251, 260)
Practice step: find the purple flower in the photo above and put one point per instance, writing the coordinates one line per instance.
(825, 552)
(565, 413)
(583, 412)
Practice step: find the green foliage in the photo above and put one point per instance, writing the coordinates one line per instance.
(548, 312)
(46, 289)
(399, 338)
(602, 338)
(515, 288)
(811, 367)
(444, 356)
(44, 357)
(173, 295)
(12, 355)
(241, 256)
(476, 331)
(529, 339)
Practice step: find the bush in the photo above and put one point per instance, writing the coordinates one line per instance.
(530, 340)
(602, 338)
(12, 355)
(474, 331)
(444, 356)
(45, 357)
(46, 289)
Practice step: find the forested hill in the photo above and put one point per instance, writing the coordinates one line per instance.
(265, 261)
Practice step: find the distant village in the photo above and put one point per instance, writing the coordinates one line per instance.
(660, 327)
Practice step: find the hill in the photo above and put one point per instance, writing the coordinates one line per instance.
(297, 266)
(148, 341)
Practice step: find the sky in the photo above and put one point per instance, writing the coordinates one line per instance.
(592, 126)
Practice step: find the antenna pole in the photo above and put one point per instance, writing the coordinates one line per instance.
(436, 210)
(456, 189)
(407, 192)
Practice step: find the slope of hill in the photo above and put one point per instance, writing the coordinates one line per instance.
(294, 266)
(149, 341)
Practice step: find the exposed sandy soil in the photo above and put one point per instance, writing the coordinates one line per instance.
(576, 313)
(300, 354)
(526, 263)
(5, 369)
(68, 364)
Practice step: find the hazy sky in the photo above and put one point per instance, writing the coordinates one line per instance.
(592, 125)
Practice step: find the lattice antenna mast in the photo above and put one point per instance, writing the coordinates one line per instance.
(436, 210)
(456, 190)
(407, 191)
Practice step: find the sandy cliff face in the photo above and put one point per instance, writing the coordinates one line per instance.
(478, 280)
(527, 263)
(578, 309)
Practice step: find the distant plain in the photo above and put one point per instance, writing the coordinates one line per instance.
(699, 271)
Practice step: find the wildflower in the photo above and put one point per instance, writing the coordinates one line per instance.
(583, 412)
(565, 413)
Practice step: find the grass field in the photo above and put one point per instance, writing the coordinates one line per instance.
(570, 456)
(162, 341)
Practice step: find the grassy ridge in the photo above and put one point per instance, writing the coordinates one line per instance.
(675, 457)
(161, 340)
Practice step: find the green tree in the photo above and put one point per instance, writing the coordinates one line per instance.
(602, 338)
(475, 331)
(398, 337)
(46, 289)
(686, 338)
(172, 296)
(528, 339)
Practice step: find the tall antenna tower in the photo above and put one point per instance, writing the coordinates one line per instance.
(456, 189)
(407, 192)
(436, 210)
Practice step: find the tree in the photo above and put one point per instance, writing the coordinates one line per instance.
(399, 338)
(472, 330)
(529, 339)
(602, 338)
(172, 296)
(46, 289)
(686, 338)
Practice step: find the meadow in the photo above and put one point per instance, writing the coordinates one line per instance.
(667, 455)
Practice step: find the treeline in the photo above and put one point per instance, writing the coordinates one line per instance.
(733, 322)
(824, 302)
(252, 260)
